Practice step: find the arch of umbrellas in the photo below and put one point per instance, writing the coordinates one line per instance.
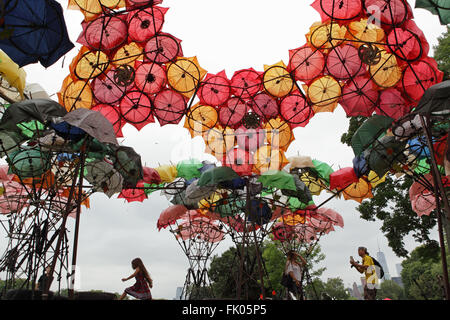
(367, 56)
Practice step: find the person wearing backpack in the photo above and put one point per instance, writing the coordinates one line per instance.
(368, 268)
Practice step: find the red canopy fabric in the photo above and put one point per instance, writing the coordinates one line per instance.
(145, 23)
(169, 106)
(163, 48)
(246, 83)
(240, 161)
(342, 178)
(106, 90)
(337, 9)
(104, 33)
(305, 63)
(344, 62)
(136, 109)
(264, 105)
(113, 116)
(232, 112)
(149, 77)
(359, 97)
(215, 89)
(295, 110)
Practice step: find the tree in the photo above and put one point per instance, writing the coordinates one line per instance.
(390, 289)
(422, 273)
(333, 289)
(442, 53)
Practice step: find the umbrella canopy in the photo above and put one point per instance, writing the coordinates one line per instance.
(103, 177)
(189, 169)
(170, 215)
(215, 89)
(358, 191)
(134, 195)
(277, 179)
(195, 193)
(28, 162)
(9, 142)
(216, 175)
(302, 192)
(240, 161)
(322, 170)
(370, 130)
(441, 8)
(128, 163)
(305, 63)
(260, 212)
(301, 162)
(167, 173)
(11, 72)
(342, 178)
(359, 98)
(436, 99)
(264, 105)
(384, 153)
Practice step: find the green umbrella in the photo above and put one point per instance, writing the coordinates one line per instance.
(229, 207)
(301, 191)
(150, 187)
(423, 167)
(441, 8)
(384, 153)
(9, 142)
(29, 162)
(322, 170)
(29, 128)
(216, 175)
(95, 149)
(368, 132)
(278, 179)
(188, 169)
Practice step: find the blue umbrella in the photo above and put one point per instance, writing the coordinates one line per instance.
(68, 131)
(360, 166)
(39, 32)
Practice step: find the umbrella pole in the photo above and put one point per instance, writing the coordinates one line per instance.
(77, 223)
(258, 254)
(61, 235)
(438, 189)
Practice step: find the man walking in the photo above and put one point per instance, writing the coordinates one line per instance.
(368, 268)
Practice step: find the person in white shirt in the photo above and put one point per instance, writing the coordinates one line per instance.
(294, 267)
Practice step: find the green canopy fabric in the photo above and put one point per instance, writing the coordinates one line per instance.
(216, 175)
(9, 142)
(229, 207)
(95, 149)
(29, 128)
(323, 170)
(423, 167)
(384, 153)
(189, 169)
(368, 132)
(150, 187)
(277, 179)
(29, 163)
(301, 191)
(441, 8)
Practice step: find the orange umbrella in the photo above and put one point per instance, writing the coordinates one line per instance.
(89, 64)
(277, 80)
(219, 141)
(278, 133)
(386, 73)
(92, 9)
(75, 94)
(324, 93)
(200, 118)
(184, 75)
(358, 191)
(127, 54)
(364, 32)
(269, 158)
(326, 36)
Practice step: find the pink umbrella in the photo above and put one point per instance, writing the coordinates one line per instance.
(163, 48)
(359, 97)
(106, 89)
(249, 139)
(282, 232)
(170, 107)
(215, 89)
(295, 110)
(343, 62)
(104, 33)
(151, 175)
(136, 109)
(4, 175)
(305, 63)
(145, 23)
(390, 12)
(149, 77)
(337, 9)
(246, 83)
(264, 105)
(423, 204)
(171, 215)
(342, 178)
(232, 112)
(331, 214)
(113, 115)
(137, 3)
(392, 104)
(240, 161)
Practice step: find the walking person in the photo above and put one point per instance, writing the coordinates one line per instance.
(368, 268)
(141, 289)
(294, 268)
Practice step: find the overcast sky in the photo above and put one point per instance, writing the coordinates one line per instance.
(230, 35)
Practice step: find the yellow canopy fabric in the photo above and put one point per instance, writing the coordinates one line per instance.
(167, 173)
(358, 191)
(200, 119)
(219, 141)
(184, 75)
(324, 91)
(127, 54)
(92, 8)
(75, 94)
(269, 158)
(277, 80)
(386, 73)
(374, 179)
(11, 72)
(278, 133)
(364, 32)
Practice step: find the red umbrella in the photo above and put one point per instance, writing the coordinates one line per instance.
(246, 83)
(392, 104)
(134, 195)
(171, 215)
(305, 63)
(390, 12)
(104, 33)
(342, 178)
(406, 44)
(282, 232)
(240, 161)
(337, 9)
(113, 115)
(170, 107)
(149, 77)
(145, 23)
(295, 110)
(136, 109)
(331, 214)
(419, 76)
(215, 89)
(107, 90)
(232, 112)
(137, 3)
(163, 48)
(151, 175)
(249, 139)
(264, 105)
(359, 98)
(344, 62)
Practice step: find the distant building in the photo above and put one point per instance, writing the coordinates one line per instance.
(382, 260)
(399, 268)
(178, 294)
(398, 280)
(356, 291)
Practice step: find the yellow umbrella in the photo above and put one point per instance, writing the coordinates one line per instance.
(199, 119)
(326, 36)
(184, 75)
(374, 179)
(324, 92)
(293, 219)
(219, 141)
(167, 173)
(386, 73)
(277, 80)
(89, 64)
(268, 158)
(315, 185)
(364, 32)
(127, 54)
(278, 133)
(12, 73)
(75, 94)
(91, 9)
(211, 201)
(358, 191)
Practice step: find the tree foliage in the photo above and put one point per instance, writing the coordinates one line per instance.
(332, 289)
(442, 53)
(390, 289)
